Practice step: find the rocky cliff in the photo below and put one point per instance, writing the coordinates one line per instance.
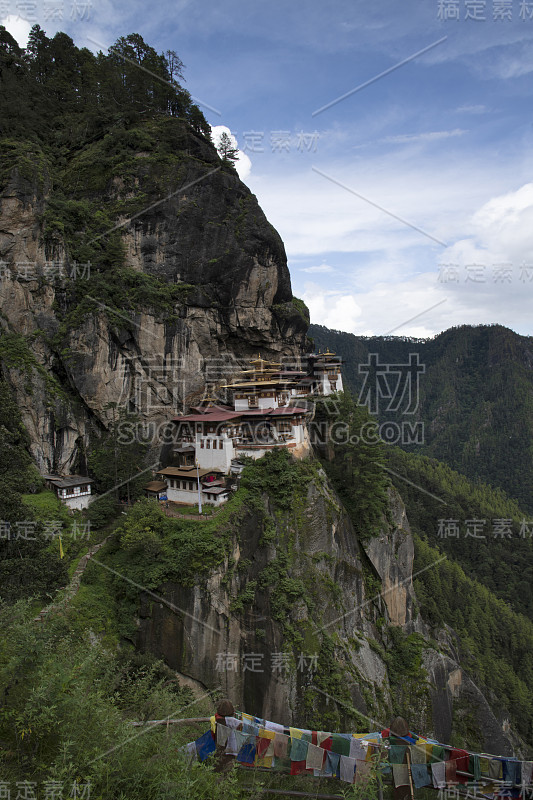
(135, 268)
(301, 621)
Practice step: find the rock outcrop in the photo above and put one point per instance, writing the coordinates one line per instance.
(326, 651)
(218, 270)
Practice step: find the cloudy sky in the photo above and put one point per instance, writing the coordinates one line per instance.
(390, 144)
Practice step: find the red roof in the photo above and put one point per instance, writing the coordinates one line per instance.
(209, 416)
(284, 411)
(292, 410)
(219, 415)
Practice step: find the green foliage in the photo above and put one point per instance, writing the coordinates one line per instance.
(301, 308)
(246, 597)
(354, 465)
(103, 137)
(16, 467)
(29, 566)
(329, 683)
(91, 90)
(116, 460)
(476, 398)
(226, 151)
(67, 707)
(279, 476)
(26, 160)
(155, 548)
(286, 311)
(102, 511)
(16, 353)
(404, 657)
(285, 590)
(482, 586)
(495, 641)
(46, 505)
(434, 492)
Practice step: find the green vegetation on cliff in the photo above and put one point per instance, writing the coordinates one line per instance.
(88, 90)
(29, 560)
(134, 211)
(353, 458)
(495, 643)
(67, 707)
(78, 134)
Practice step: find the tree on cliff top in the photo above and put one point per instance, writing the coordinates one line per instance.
(225, 148)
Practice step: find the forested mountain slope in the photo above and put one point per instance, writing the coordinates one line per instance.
(475, 399)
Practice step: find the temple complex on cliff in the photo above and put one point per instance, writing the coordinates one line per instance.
(269, 407)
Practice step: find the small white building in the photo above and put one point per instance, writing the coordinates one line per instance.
(156, 490)
(73, 490)
(182, 485)
(215, 495)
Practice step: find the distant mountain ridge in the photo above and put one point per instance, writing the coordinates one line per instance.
(475, 397)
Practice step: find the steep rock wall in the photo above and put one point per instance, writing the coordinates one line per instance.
(343, 613)
(217, 268)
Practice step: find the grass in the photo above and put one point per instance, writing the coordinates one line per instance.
(46, 504)
(207, 511)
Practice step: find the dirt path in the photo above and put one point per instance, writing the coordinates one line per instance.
(74, 584)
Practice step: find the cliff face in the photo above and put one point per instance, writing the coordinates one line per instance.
(193, 281)
(300, 584)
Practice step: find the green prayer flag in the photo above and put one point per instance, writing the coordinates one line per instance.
(437, 753)
(474, 766)
(340, 745)
(397, 753)
(299, 749)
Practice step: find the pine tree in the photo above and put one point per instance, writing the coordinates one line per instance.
(227, 152)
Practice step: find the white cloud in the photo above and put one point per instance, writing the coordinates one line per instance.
(319, 268)
(472, 109)
(332, 309)
(420, 307)
(424, 304)
(316, 216)
(430, 136)
(18, 27)
(508, 63)
(243, 165)
(502, 231)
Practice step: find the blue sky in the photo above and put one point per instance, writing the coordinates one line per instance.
(408, 205)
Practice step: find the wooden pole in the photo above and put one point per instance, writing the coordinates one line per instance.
(380, 776)
(399, 729)
(408, 758)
